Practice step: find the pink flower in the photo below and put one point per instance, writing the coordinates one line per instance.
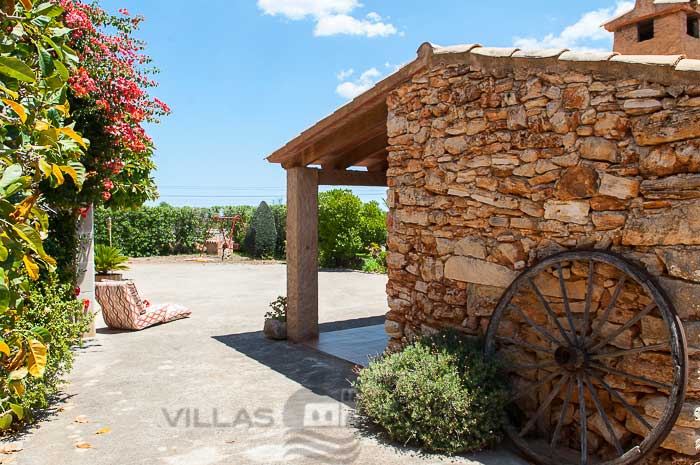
(124, 11)
(106, 196)
(86, 303)
(108, 184)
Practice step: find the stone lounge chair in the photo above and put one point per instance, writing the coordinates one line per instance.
(123, 308)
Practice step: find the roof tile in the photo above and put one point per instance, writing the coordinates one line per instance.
(659, 60)
(502, 52)
(545, 53)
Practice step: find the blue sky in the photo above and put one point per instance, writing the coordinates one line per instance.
(245, 76)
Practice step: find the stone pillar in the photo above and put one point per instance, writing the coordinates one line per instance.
(302, 254)
(86, 263)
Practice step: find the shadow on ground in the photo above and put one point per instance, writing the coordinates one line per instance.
(321, 373)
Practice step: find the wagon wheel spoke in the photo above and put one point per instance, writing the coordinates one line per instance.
(603, 415)
(535, 387)
(616, 295)
(562, 416)
(622, 400)
(537, 366)
(539, 328)
(549, 311)
(567, 305)
(527, 345)
(589, 298)
(625, 374)
(611, 337)
(540, 411)
(584, 420)
(633, 351)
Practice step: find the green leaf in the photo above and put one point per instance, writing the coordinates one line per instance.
(58, 32)
(18, 409)
(48, 9)
(33, 239)
(76, 171)
(5, 421)
(45, 62)
(62, 70)
(41, 21)
(3, 253)
(12, 173)
(4, 292)
(43, 333)
(17, 69)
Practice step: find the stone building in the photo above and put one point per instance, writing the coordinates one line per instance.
(495, 158)
(658, 27)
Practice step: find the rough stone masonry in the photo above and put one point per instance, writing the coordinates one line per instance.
(498, 158)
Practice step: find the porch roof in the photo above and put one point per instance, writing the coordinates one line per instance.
(355, 135)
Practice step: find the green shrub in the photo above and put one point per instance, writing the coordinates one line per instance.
(54, 307)
(438, 394)
(280, 212)
(372, 224)
(339, 216)
(261, 239)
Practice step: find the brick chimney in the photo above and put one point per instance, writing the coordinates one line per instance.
(658, 27)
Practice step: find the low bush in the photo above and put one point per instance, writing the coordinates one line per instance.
(53, 307)
(438, 394)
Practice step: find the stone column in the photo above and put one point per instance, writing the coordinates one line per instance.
(302, 254)
(86, 263)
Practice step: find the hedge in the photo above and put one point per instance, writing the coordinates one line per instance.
(348, 229)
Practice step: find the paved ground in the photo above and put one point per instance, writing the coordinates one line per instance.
(211, 390)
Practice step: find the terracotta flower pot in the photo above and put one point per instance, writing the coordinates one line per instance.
(109, 277)
(275, 330)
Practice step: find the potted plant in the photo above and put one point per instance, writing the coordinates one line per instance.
(276, 320)
(108, 260)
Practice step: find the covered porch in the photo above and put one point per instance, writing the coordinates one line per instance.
(347, 148)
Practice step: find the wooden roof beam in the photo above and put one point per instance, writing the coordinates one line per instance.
(351, 178)
(368, 149)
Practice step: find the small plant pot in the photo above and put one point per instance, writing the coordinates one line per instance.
(109, 277)
(275, 330)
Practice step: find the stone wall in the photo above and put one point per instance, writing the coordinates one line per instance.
(496, 162)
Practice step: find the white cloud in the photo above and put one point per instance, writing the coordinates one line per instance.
(346, 24)
(345, 74)
(332, 17)
(584, 35)
(351, 89)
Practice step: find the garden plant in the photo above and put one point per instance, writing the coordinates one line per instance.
(438, 394)
(73, 100)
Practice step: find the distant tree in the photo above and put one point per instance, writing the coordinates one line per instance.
(261, 239)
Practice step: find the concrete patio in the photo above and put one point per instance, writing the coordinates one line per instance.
(211, 390)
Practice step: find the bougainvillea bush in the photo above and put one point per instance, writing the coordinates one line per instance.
(110, 101)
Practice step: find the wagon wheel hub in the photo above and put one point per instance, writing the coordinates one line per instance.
(570, 358)
(570, 333)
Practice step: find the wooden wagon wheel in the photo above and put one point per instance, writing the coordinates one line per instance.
(594, 350)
